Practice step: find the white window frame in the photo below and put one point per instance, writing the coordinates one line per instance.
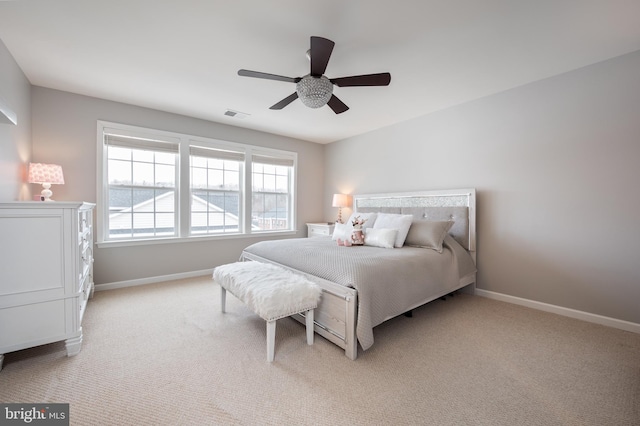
(266, 158)
(207, 152)
(183, 186)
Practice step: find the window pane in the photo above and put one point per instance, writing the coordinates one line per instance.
(164, 201)
(116, 152)
(270, 212)
(165, 158)
(143, 224)
(165, 175)
(282, 184)
(269, 183)
(216, 220)
(165, 224)
(143, 155)
(198, 178)
(198, 161)
(119, 199)
(143, 174)
(231, 180)
(119, 172)
(258, 181)
(215, 163)
(198, 201)
(120, 223)
(215, 179)
(199, 223)
(268, 169)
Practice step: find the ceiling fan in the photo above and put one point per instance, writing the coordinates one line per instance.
(314, 89)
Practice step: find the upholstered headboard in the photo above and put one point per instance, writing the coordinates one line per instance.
(458, 205)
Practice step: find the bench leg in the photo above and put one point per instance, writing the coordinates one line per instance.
(271, 339)
(223, 298)
(309, 323)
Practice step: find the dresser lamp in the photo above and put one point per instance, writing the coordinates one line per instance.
(340, 201)
(47, 175)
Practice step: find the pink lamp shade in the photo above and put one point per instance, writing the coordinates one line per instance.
(340, 201)
(47, 175)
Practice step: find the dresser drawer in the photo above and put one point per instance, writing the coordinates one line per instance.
(320, 229)
(84, 221)
(85, 262)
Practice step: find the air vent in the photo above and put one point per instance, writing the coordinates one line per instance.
(236, 114)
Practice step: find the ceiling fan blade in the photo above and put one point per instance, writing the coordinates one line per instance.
(321, 49)
(286, 101)
(256, 74)
(337, 105)
(382, 79)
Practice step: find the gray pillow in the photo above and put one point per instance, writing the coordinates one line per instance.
(428, 234)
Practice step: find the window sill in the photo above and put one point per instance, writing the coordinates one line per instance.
(194, 239)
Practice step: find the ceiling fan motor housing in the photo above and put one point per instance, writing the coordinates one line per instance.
(314, 92)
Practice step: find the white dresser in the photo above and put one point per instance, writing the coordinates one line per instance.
(46, 273)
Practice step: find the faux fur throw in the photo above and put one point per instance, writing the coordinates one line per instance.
(269, 290)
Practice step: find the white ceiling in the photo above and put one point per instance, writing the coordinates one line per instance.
(182, 56)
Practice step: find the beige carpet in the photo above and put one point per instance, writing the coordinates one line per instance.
(163, 354)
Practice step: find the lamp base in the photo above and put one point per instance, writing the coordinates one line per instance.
(46, 192)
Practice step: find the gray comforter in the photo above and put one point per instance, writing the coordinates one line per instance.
(389, 281)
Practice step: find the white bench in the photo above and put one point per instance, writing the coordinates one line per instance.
(271, 292)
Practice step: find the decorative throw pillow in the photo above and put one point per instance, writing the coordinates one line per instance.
(379, 237)
(399, 222)
(428, 234)
(369, 219)
(342, 231)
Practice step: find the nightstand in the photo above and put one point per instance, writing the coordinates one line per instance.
(323, 229)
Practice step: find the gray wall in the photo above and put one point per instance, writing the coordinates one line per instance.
(555, 164)
(64, 132)
(15, 141)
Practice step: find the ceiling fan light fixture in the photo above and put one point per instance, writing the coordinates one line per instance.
(314, 92)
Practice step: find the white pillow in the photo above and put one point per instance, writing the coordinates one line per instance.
(370, 219)
(342, 231)
(399, 222)
(379, 237)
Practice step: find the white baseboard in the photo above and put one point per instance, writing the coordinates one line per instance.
(152, 280)
(567, 312)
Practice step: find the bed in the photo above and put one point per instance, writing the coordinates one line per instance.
(364, 286)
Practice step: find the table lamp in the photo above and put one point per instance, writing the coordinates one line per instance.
(47, 175)
(340, 201)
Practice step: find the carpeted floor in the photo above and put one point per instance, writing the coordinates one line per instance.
(163, 354)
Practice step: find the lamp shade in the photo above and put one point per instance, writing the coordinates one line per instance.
(341, 200)
(45, 173)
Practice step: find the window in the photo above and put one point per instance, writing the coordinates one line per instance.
(216, 193)
(141, 177)
(271, 186)
(160, 185)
